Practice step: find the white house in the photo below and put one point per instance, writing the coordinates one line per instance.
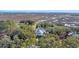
(40, 31)
(67, 25)
(74, 34)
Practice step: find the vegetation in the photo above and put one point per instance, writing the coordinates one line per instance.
(15, 34)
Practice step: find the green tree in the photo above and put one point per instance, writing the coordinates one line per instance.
(11, 25)
(5, 42)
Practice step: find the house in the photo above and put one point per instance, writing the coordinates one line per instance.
(67, 25)
(70, 25)
(40, 32)
(74, 34)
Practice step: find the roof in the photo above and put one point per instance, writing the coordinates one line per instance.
(73, 33)
(40, 31)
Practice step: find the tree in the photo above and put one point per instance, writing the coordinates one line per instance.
(71, 42)
(46, 42)
(29, 43)
(26, 32)
(10, 26)
(5, 42)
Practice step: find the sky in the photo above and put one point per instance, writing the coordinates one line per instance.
(41, 11)
(68, 6)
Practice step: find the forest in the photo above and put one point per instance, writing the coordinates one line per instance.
(30, 34)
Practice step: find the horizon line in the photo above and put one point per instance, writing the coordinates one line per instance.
(39, 11)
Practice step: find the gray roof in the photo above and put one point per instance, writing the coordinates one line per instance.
(40, 31)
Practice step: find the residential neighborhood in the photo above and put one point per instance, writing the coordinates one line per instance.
(39, 30)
